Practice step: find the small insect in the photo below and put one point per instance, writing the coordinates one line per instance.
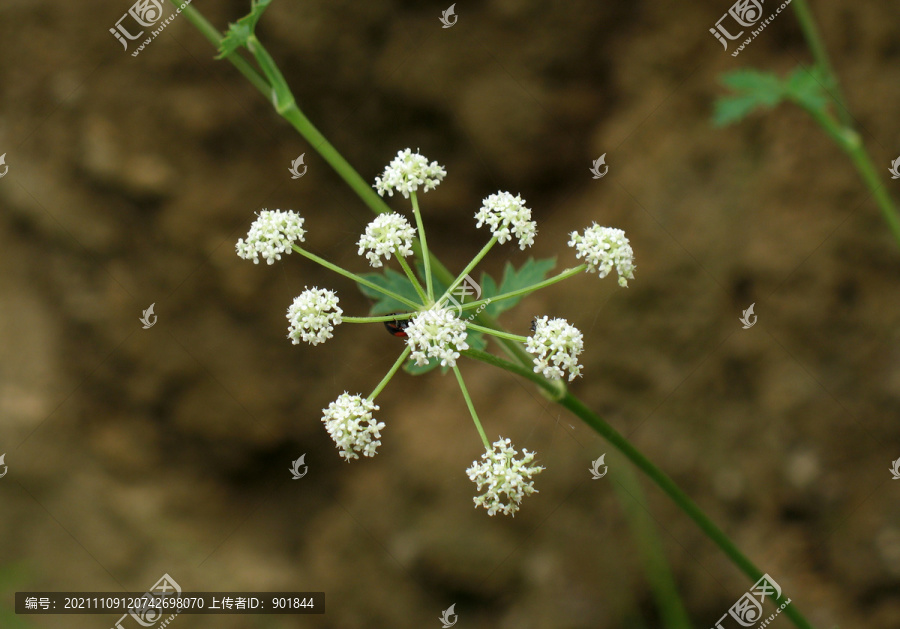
(397, 327)
(534, 324)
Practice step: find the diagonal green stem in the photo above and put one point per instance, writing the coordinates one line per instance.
(379, 319)
(498, 333)
(564, 275)
(469, 267)
(412, 278)
(426, 258)
(353, 276)
(465, 392)
(655, 474)
(390, 374)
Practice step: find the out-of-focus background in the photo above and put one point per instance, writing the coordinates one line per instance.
(133, 453)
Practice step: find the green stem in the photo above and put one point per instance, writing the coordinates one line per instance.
(390, 374)
(469, 267)
(356, 278)
(628, 489)
(426, 258)
(379, 319)
(412, 278)
(662, 480)
(497, 333)
(820, 54)
(213, 36)
(851, 143)
(528, 289)
(465, 392)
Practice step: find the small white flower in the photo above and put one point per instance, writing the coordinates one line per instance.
(387, 234)
(505, 213)
(436, 333)
(604, 248)
(350, 424)
(270, 235)
(313, 316)
(500, 473)
(407, 172)
(556, 346)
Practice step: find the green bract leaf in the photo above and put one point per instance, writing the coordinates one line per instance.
(239, 32)
(530, 273)
(394, 281)
(753, 90)
(808, 88)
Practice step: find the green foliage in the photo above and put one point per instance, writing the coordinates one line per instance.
(240, 31)
(530, 273)
(754, 89)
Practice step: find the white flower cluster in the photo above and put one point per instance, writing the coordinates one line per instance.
(270, 235)
(436, 333)
(505, 479)
(505, 212)
(350, 424)
(604, 248)
(556, 346)
(387, 234)
(313, 316)
(407, 172)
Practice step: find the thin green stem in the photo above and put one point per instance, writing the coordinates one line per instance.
(820, 54)
(528, 289)
(356, 278)
(212, 34)
(379, 319)
(465, 392)
(390, 374)
(851, 143)
(412, 278)
(662, 480)
(469, 267)
(282, 97)
(426, 258)
(498, 333)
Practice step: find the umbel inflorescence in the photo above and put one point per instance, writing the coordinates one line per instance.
(436, 327)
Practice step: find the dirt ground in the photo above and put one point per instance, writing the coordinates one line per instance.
(133, 453)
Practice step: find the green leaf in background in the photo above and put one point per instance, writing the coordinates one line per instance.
(530, 273)
(808, 88)
(754, 90)
(239, 32)
(394, 281)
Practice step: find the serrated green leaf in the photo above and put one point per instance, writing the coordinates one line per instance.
(530, 273)
(753, 90)
(808, 88)
(240, 31)
(393, 281)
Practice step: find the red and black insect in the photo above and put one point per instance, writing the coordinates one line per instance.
(397, 327)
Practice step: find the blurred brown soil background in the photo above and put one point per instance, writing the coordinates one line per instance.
(134, 453)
